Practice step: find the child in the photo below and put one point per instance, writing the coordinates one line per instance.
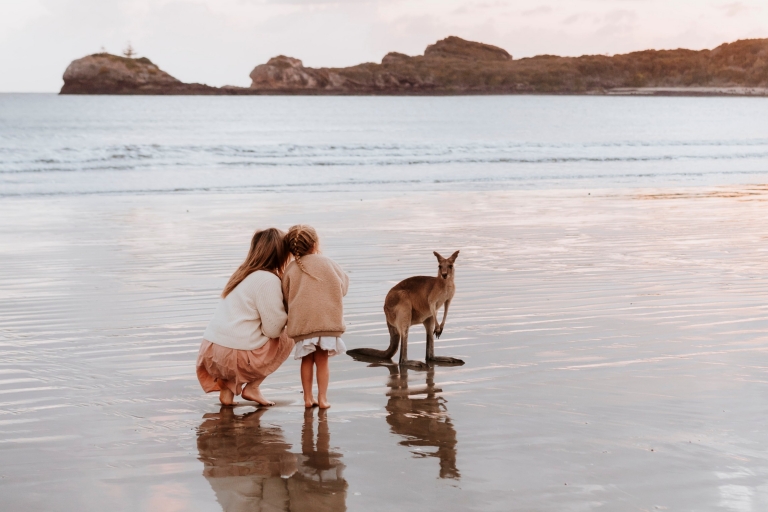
(313, 287)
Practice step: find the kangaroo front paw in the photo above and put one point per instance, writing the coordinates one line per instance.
(438, 332)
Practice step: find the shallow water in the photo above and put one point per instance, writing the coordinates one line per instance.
(614, 342)
(611, 302)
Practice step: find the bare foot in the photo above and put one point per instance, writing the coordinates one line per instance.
(323, 403)
(226, 397)
(310, 402)
(254, 395)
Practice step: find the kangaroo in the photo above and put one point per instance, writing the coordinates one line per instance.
(416, 300)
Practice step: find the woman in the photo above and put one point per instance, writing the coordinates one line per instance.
(245, 340)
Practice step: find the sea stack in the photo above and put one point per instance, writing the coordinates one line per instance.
(104, 73)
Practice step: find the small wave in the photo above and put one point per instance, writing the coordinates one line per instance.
(497, 160)
(363, 184)
(154, 165)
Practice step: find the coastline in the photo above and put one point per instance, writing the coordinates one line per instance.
(454, 66)
(689, 91)
(757, 92)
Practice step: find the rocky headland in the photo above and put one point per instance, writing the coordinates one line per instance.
(456, 66)
(103, 73)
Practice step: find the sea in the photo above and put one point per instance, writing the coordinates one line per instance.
(611, 302)
(70, 145)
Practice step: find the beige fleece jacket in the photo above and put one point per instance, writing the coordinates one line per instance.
(315, 306)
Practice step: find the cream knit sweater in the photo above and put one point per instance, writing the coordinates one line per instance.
(315, 306)
(250, 315)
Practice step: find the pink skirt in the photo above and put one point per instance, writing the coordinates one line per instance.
(219, 366)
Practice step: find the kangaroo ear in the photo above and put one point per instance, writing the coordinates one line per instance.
(454, 256)
(439, 258)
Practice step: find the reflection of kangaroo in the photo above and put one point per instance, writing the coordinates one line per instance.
(250, 467)
(423, 422)
(417, 300)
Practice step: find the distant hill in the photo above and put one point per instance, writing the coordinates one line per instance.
(456, 66)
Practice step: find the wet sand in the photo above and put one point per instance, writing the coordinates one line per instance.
(614, 342)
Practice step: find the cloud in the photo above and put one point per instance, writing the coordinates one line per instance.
(324, 3)
(621, 16)
(736, 8)
(618, 22)
(543, 9)
(570, 20)
(16, 16)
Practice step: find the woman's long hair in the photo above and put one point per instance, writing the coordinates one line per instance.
(268, 252)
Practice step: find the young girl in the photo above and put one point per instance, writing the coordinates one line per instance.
(313, 287)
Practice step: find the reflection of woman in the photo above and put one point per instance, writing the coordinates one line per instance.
(245, 463)
(245, 340)
(250, 466)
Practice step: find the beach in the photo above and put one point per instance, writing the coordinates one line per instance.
(610, 304)
(614, 341)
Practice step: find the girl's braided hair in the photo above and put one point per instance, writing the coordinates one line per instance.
(302, 240)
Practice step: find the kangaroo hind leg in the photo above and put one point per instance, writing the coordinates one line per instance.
(429, 325)
(404, 361)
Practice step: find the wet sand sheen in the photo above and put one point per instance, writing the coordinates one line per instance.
(614, 342)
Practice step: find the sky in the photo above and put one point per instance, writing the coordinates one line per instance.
(219, 42)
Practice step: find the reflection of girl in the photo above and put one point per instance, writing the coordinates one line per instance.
(318, 484)
(245, 340)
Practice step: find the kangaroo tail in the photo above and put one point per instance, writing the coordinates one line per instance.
(394, 342)
(370, 352)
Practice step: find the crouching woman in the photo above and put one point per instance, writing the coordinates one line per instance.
(246, 341)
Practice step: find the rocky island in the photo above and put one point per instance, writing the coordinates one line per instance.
(456, 66)
(103, 73)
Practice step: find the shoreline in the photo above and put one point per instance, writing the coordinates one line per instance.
(738, 92)
(701, 190)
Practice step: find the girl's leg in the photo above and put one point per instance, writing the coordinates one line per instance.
(323, 376)
(226, 397)
(307, 367)
(252, 392)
